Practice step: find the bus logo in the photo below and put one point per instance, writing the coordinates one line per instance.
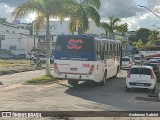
(75, 44)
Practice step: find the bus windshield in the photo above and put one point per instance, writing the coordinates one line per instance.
(75, 47)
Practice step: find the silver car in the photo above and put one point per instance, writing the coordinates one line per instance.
(127, 63)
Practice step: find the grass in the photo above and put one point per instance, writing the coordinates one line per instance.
(41, 80)
(16, 66)
(11, 63)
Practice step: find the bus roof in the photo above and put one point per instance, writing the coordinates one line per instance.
(108, 40)
(96, 38)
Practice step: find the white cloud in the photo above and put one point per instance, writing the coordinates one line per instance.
(5, 11)
(157, 9)
(127, 10)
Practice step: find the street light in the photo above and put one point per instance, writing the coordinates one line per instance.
(149, 10)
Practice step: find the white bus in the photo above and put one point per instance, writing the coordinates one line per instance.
(83, 58)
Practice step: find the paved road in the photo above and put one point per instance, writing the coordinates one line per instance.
(60, 96)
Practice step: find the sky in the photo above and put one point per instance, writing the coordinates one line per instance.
(127, 10)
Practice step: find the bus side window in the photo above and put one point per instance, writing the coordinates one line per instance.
(102, 53)
(116, 49)
(106, 50)
(111, 50)
(98, 57)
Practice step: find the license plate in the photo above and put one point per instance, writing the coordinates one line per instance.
(73, 69)
(140, 84)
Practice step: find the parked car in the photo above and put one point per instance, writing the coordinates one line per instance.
(154, 61)
(127, 63)
(31, 56)
(41, 57)
(137, 59)
(5, 56)
(141, 77)
(19, 57)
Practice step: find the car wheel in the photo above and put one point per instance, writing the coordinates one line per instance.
(73, 82)
(152, 90)
(128, 89)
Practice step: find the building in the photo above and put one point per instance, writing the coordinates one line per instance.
(60, 28)
(16, 37)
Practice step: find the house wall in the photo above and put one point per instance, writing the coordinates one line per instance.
(17, 40)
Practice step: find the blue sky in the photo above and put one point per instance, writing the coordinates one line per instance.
(126, 10)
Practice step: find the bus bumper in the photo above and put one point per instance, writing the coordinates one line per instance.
(75, 77)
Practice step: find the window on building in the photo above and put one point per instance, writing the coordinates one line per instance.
(12, 47)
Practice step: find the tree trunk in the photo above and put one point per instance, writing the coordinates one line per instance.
(80, 31)
(48, 47)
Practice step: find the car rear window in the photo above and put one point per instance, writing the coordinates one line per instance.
(144, 71)
(137, 58)
(125, 59)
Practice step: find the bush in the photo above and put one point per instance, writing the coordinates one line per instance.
(42, 79)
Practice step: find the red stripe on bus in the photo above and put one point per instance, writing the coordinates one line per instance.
(74, 73)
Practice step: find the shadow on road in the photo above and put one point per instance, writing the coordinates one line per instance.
(113, 91)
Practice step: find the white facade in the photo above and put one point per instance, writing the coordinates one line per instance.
(59, 28)
(17, 39)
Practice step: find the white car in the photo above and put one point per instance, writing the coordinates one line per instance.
(141, 77)
(127, 63)
(137, 59)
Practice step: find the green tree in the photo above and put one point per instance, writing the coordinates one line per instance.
(139, 44)
(80, 16)
(122, 28)
(124, 41)
(45, 9)
(143, 34)
(110, 26)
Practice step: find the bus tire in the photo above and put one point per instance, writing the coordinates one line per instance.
(159, 96)
(73, 82)
(116, 72)
(102, 83)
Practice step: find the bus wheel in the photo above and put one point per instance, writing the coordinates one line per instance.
(116, 73)
(159, 96)
(73, 82)
(102, 83)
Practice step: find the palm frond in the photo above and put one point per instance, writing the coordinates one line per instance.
(38, 23)
(28, 7)
(94, 3)
(93, 14)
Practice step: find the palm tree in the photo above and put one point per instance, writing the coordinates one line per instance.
(86, 10)
(45, 9)
(122, 28)
(154, 36)
(110, 26)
